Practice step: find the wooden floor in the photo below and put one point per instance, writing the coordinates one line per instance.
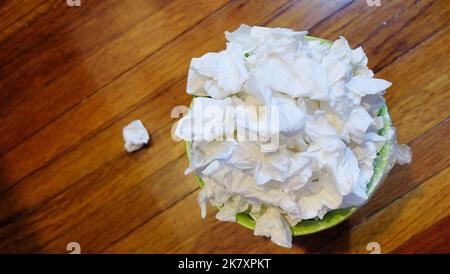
(72, 77)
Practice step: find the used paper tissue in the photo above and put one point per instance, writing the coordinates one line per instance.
(135, 136)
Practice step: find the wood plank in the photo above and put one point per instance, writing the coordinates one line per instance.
(17, 14)
(435, 239)
(53, 185)
(295, 17)
(395, 224)
(425, 74)
(83, 60)
(388, 31)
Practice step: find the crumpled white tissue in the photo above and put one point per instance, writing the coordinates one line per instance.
(364, 85)
(271, 224)
(205, 120)
(135, 136)
(218, 74)
(326, 103)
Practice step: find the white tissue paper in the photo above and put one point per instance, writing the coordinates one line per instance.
(135, 136)
(328, 104)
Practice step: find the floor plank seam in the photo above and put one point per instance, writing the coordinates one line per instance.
(388, 21)
(23, 16)
(6, 39)
(333, 14)
(284, 8)
(148, 220)
(417, 46)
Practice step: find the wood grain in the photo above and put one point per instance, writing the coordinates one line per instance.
(435, 239)
(64, 175)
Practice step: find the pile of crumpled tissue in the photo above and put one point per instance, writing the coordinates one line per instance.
(327, 103)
